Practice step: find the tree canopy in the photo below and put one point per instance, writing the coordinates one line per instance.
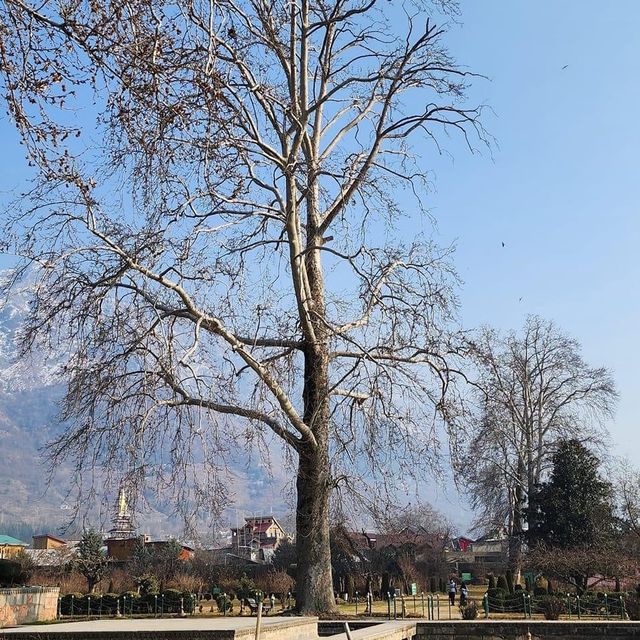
(574, 508)
(532, 389)
(90, 559)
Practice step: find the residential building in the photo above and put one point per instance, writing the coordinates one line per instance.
(48, 541)
(10, 547)
(185, 553)
(258, 538)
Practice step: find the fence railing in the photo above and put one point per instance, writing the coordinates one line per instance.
(437, 606)
(597, 606)
(126, 605)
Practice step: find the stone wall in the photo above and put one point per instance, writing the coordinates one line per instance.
(28, 604)
(519, 630)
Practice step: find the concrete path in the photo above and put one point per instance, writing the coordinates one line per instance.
(382, 630)
(232, 627)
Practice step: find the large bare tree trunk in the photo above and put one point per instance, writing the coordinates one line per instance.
(314, 587)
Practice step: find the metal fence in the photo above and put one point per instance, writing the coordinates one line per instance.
(126, 605)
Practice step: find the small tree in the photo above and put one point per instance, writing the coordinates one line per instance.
(277, 582)
(285, 557)
(90, 559)
(576, 567)
(246, 588)
(159, 560)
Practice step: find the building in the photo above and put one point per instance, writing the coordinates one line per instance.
(50, 552)
(47, 541)
(185, 553)
(479, 557)
(258, 538)
(10, 547)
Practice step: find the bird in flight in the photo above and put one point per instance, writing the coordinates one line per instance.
(503, 244)
(565, 66)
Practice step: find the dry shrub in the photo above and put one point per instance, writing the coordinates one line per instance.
(276, 582)
(632, 607)
(186, 582)
(552, 607)
(120, 581)
(469, 611)
(72, 582)
(45, 578)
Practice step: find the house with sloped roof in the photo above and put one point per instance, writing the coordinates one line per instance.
(48, 541)
(10, 547)
(257, 537)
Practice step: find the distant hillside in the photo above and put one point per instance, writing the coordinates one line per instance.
(29, 393)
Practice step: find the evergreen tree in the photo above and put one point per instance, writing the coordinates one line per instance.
(574, 508)
(90, 559)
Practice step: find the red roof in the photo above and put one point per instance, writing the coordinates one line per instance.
(262, 527)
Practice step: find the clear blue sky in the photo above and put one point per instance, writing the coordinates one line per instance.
(561, 188)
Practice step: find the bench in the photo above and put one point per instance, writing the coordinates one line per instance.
(253, 606)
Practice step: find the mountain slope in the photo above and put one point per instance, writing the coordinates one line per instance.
(29, 395)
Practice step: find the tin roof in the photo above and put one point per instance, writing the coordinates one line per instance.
(8, 540)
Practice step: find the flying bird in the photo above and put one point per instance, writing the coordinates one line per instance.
(565, 66)
(503, 244)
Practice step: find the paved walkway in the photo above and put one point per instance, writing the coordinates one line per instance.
(161, 624)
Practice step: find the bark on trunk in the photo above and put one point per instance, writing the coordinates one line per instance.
(516, 537)
(314, 585)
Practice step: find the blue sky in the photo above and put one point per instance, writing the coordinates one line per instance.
(561, 188)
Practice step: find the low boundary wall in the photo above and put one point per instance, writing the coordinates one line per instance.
(28, 604)
(519, 630)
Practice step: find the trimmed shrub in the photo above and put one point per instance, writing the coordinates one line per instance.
(552, 608)
(469, 611)
(492, 582)
(632, 607)
(109, 603)
(224, 603)
(129, 603)
(502, 584)
(496, 599)
(70, 604)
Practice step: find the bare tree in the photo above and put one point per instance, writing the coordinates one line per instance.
(421, 519)
(579, 566)
(626, 487)
(532, 390)
(213, 226)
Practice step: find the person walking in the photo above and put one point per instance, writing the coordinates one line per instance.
(452, 592)
(464, 593)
